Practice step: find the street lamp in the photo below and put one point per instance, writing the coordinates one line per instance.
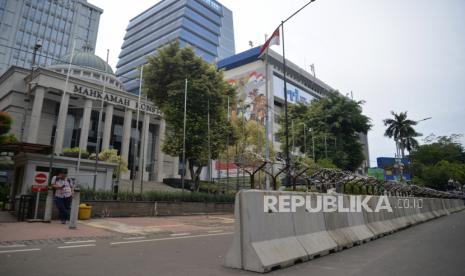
(36, 48)
(424, 119)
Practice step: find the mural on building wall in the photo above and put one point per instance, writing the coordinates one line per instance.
(251, 105)
(251, 99)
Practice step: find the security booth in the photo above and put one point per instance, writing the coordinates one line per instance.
(32, 168)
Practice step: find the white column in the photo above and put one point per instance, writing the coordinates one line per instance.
(85, 124)
(144, 144)
(36, 113)
(125, 143)
(107, 127)
(61, 123)
(160, 155)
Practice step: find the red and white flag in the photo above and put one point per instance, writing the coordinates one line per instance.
(273, 40)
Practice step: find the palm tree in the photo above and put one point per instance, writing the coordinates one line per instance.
(401, 129)
(410, 143)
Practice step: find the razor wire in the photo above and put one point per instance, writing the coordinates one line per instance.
(325, 179)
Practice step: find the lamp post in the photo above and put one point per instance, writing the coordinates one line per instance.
(286, 118)
(305, 140)
(37, 47)
(313, 144)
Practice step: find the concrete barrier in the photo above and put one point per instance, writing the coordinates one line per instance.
(458, 204)
(419, 216)
(438, 209)
(427, 209)
(398, 217)
(262, 240)
(311, 232)
(378, 223)
(265, 239)
(347, 229)
(411, 212)
(448, 206)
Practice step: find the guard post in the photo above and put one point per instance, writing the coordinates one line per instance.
(74, 209)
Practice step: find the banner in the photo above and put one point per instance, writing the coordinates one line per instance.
(294, 93)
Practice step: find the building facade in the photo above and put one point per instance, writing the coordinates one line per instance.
(248, 73)
(56, 23)
(204, 24)
(42, 113)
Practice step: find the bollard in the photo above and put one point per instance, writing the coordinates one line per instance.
(48, 206)
(73, 217)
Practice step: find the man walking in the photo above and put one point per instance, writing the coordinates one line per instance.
(63, 194)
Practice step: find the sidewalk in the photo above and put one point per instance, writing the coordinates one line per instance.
(113, 227)
(25, 231)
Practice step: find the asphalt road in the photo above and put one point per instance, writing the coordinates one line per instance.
(432, 248)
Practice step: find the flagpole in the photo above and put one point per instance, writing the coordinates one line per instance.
(134, 175)
(183, 169)
(286, 117)
(227, 153)
(99, 123)
(267, 122)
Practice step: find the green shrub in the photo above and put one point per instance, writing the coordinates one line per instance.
(88, 194)
(4, 193)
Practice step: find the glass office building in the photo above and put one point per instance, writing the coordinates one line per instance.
(57, 23)
(204, 24)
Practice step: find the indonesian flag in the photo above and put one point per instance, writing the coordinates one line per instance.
(273, 40)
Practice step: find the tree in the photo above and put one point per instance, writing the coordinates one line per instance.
(401, 129)
(443, 158)
(334, 123)
(5, 123)
(207, 94)
(248, 147)
(5, 126)
(111, 155)
(439, 148)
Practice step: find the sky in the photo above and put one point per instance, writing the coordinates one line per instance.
(395, 55)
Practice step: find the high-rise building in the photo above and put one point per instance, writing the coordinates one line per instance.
(204, 24)
(56, 23)
(249, 73)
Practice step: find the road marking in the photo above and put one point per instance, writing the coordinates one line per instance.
(12, 245)
(134, 238)
(172, 238)
(75, 246)
(87, 241)
(19, 250)
(180, 234)
(215, 231)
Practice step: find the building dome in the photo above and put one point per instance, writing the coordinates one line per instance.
(86, 59)
(87, 66)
